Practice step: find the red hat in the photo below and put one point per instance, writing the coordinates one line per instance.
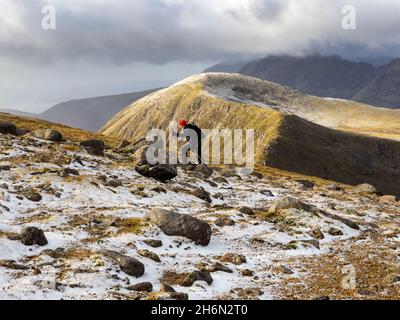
(182, 123)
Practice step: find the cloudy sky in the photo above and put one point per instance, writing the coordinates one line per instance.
(102, 47)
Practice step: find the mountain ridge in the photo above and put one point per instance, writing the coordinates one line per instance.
(330, 76)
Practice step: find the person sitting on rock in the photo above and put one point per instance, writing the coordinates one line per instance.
(190, 129)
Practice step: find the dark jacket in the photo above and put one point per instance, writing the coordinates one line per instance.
(191, 126)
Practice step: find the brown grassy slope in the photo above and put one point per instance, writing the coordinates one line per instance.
(156, 111)
(310, 149)
(69, 133)
(350, 116)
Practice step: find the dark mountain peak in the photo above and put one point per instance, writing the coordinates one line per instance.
(91, 113)
(395, 63)
(326, 76)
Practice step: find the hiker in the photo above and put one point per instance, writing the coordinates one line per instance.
(188, 130)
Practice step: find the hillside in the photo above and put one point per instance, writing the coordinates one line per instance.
(328, 76)
(70, 133)
(91, 113)
(336, 147)
(18, 112)
(76, 226)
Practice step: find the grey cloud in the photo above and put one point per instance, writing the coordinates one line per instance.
(122, 44)
(159, 31)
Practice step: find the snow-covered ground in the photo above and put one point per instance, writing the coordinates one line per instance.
(77, 214)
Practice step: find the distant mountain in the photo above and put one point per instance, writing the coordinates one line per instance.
(18, 113)
(228, 66)
(384, 90)
(330, 76)
(91, 113)
(317, 75)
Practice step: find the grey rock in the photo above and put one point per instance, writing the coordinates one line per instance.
(48, 134)
(202, 194)
(233, 258)
(153, 243)
(203, 169)
(175, 224)
(148, 254)
(196, 275)
(224, 222)
(267, 193)
(31, 236)
(141, 287)
(166, 288)
(317, 234)
(8, 128)
(365, 188)
(289, 203)
(306, 183)
(129, 265)
(5, 167)
(32, 195)
(93, 146)
(159, 172)
(335, 232)
(246, 210)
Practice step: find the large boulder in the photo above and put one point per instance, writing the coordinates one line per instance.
(31, 236)
(160, 172)
(8, 128)
(183, 225)
(94, 147)
(48, 134)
